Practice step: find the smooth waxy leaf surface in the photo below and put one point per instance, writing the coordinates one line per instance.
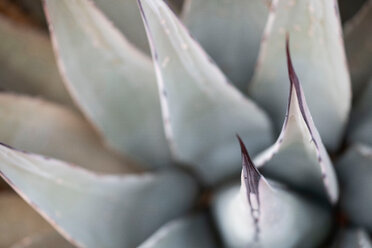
(113, 83)
(352, 238)
(298, 157)
(358, 40)
(27, 63)
(18, 220)
(93, 210)
(230, 31)
(319, 57)
(360, 129)
(201, 110)
(193, 231)
(355, 173)
(126, 17)
(43, 240)
(266, 214)
(42, 127)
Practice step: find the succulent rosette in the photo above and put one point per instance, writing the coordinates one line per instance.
(196, 123)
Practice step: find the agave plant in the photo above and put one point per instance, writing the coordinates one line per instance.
(146, 154)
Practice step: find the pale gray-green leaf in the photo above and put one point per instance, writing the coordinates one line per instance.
(352, 238)
(230, 32)
(299, 157)
(358, 40)
(43, 240)
(286, 220)
(18, 220)
(42, 127)
(355, 173)
(319, 57)
(93, 210)
(113, 82)
(127, 18)
(360, 129)
(202, 112)
(27, 63)
(191, 231)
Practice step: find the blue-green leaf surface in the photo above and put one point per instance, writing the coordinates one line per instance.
(96, 211)
(112, 81)
(319, 57)
(202, 111)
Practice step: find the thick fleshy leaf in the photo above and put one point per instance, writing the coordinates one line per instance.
(93, 210)
(112, 81)
(355, 173)
(42, 127)
(201, 110)
(358, 40)
(360, 129)
(298, 157)
(266, 214)
(230, 31)
(320, 60)
(352, 238)
(43, 240)
(27, 63)
(193, 231)
(18, 220)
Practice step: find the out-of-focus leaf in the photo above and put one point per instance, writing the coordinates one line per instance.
(127, 18)
(355, 173)
(358, 44)
(201, 110)
(42, 127)
(230, 31)
(112, 81)
(352, 238)
(318, 53)
(264, 214)
(43, 240)
(18, 220)
(93, 210)
(187, 232)
(360, 129)
(298, 157)
(27, 63)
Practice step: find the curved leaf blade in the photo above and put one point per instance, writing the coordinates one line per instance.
(265, 214)
(111, 80)
(231, 33)
(42, 127)
(299, 157)
(130, 207)
(314, 28)
(201, 110)
(27, 63)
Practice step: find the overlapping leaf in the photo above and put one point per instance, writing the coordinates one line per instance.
(298, 157)
(187, 232)
(201, 110)
(42, 127)
(18, 220)
(264, 214)
(27, 63)
(360, 129)
(358, 40)
(318, 53)
(95, 210)
(355, 173)
(230, 31)
(112, 81)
